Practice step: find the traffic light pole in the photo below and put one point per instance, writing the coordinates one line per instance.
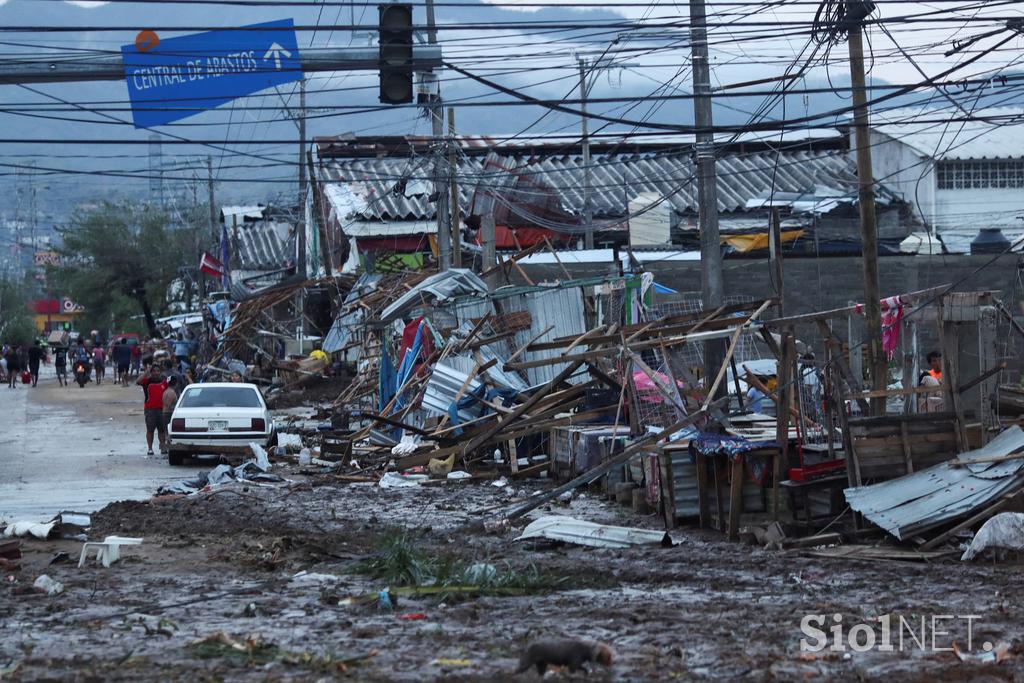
(111, 68)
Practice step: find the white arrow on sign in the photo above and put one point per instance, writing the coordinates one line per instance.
(276, 51)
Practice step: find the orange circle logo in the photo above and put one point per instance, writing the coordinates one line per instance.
(146, 40)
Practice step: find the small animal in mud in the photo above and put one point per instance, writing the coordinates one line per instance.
(566, 652)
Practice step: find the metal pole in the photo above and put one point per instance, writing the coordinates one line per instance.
(213, 203)
(300, 224)
(453, 205)
(868, 228)
(437, 130)
(707, 188)
(588, 219)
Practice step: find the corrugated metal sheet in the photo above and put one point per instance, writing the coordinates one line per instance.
(445, 382)
(993, 133)
(560, 308)
(617, 179)
(264, 245)
(581, 532)
(441, 287)
(911, 504)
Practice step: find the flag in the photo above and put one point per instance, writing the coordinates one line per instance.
(225, 257)
(211, 266)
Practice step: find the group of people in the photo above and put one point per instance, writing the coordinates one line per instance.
(16, 360)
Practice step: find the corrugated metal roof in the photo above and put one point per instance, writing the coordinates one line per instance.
(264, 245)
(395, 188)
(916, 502)
(993, 133)
(562, 309)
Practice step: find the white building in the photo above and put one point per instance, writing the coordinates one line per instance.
(958, 176)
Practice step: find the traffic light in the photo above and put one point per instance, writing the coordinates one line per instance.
(395, 53)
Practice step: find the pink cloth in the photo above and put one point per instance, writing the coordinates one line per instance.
(647, 390)
(892, 315)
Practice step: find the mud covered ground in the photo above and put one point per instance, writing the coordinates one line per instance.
(213, 595)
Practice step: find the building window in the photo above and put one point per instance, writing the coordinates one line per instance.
(969, 175)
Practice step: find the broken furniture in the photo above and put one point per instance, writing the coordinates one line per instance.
(107, 551)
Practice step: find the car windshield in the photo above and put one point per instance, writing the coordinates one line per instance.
(220, 397)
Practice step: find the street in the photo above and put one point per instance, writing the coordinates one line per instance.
(69, 448)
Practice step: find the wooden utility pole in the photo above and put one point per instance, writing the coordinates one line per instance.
(300, 223)
(453, 205)
(213, 215)
(868, 227)
(712, 287)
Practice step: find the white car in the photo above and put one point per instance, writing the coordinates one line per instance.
(218, 418)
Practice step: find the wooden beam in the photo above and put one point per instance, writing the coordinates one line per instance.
(730, 350)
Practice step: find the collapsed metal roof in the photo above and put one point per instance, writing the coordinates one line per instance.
(923, 500)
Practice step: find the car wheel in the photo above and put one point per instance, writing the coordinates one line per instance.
(175, 458)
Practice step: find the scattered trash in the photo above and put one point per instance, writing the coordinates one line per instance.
(580, 532)
(260, 453)
(44, 584)
(393, 480)
(440, 468)
(249, 471)
(501, 482)
(291, 443)
(10, 550)
(991, 654)
(412, 616)
(305, 456)
(314, 577)
(60, 557)
(444, 661)
(459, 475)
(1005, 530)
(108, 551)
(386, 601)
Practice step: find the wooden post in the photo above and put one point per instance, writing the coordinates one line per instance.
(950, 332)
(735, 496)
(785, 384)
(775, 258)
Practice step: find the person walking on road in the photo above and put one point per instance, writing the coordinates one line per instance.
(13, 358)
(60, 364)
(35, 355)
(98, 358)
(170, 398)
(136, 360)
(153, 387)
(121, 357)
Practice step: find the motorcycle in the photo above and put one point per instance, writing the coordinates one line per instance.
(82, 369)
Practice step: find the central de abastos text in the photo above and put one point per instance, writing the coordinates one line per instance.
(145, 78)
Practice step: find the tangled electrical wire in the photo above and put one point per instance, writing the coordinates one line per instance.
(835, 18)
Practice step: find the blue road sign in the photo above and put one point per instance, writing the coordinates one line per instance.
(179, 77)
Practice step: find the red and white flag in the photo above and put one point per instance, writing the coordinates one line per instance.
(211, 266)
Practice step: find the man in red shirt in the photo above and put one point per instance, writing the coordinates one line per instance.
(153, 386)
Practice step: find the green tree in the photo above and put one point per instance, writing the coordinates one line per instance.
(116, 255)
(16, 324)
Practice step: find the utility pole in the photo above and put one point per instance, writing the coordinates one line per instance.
(300, 224)
(866, 204)
(707, 185)
(437, 133)
(213, 208)
(588, 217)
(775, 258)
(453, 205)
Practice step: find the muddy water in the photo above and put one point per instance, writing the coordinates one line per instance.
(704, 609)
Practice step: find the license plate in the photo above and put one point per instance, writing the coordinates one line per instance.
(217, 425)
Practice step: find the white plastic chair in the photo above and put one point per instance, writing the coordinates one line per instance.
(108, 551)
